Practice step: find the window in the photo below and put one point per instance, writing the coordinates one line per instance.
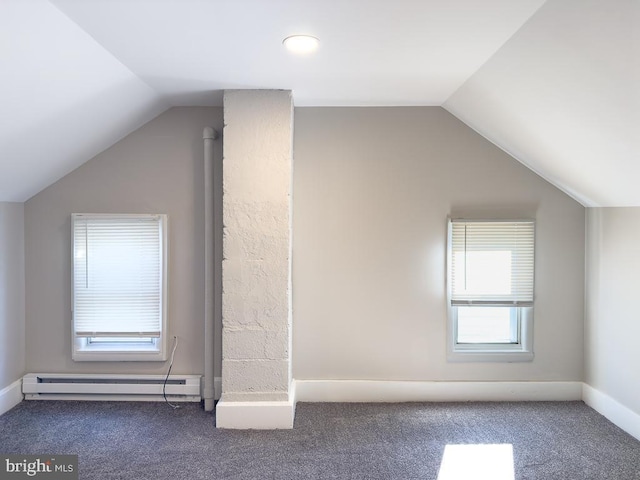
(490, 290)
(119, 287)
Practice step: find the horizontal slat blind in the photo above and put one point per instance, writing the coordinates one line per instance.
(492, 263)
(117, 275)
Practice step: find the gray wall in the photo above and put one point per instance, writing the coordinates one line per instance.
(12, 342)
(612, 328)
(159, 169)
(372, 191)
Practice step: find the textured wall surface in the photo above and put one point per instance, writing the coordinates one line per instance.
(372, 191)
(12, 341)
(256, 245)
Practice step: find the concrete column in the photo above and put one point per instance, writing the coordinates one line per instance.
(256, 265)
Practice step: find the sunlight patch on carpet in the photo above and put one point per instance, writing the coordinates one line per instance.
(480, 462)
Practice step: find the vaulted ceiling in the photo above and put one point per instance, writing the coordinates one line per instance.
(554, 83)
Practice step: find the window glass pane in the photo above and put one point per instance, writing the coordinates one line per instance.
(487, 325)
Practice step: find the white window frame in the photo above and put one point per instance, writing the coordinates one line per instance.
(522, 351)
(129, 349)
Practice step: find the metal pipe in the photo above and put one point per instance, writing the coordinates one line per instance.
(208, 135)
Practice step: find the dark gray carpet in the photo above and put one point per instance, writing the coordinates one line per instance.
(551, 440)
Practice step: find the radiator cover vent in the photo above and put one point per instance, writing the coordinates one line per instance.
(112, 387)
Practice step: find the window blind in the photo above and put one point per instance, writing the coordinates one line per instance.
(117, 275)
(492, 262)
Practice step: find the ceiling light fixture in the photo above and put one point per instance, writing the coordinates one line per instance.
(301, 44)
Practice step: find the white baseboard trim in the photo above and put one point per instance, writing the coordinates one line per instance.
(255, 415)
(416, 391)
(618, 414)
(11, 396)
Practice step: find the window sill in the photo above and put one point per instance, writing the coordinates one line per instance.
(118, 357)
(488, 356)
(118, 352)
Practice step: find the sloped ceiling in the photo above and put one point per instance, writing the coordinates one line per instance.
(563, 97)
(554, 83)
(63, 98)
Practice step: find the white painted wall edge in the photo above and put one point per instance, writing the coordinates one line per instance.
(10, 396)
(255, 415)
(615, 412)
(416, 391)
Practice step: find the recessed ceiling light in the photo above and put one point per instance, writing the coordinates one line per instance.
(301, 44)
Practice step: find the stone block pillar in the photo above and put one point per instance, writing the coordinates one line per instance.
(256, 265)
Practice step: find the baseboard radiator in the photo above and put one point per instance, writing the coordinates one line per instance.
(50, 386)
